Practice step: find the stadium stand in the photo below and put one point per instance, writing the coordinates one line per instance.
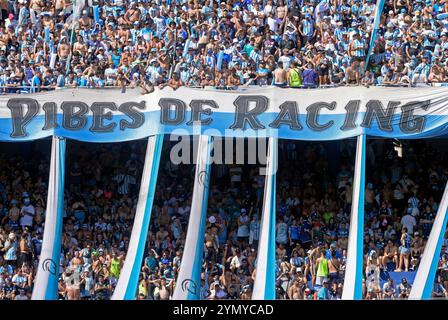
(303, 43)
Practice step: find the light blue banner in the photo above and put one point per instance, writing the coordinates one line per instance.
(314, 114)
(47, 278)
(355, 251)
(126, 288)
(189, 278)
(264, 285)
(376, 24)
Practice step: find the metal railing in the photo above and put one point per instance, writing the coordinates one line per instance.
(5, 90)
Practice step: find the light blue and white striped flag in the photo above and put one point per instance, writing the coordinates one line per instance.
(376, 25)
(46, 284)
(126, 288)
(264, 285)
(188, 284)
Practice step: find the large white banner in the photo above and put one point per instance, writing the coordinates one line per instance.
(47, 277)
(303, 114)
(189, 279)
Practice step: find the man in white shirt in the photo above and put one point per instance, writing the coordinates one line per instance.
(409, 222)
(27, 213)
(111, 75)
(237, 260)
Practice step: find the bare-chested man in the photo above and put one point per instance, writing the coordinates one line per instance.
(352, 75)
(282, 10)
(343, 242)
(85, 21)
(71, 279)
(280, 75)
(295, 291)
(390, 254)
(164, 59)
(37, 5)
(63, 49)
(165, 289)
(80, 46)
(47, 22)
(4, 38)
(132, 15)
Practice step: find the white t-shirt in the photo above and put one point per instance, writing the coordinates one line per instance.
(111, 75)
(273, 23)
(409, 222)
(28, 212)
(243, 230)
(237, 262)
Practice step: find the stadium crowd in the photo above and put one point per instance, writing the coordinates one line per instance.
(95, 43)
(313, 217)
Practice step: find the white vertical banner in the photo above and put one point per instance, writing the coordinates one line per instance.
(127, 284)
(425, 277)
(46, 283)
(376, 25)
(264, 285)
(354, 268)
(188, 282)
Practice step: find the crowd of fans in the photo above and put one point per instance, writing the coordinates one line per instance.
(314, 198)
(67, 43)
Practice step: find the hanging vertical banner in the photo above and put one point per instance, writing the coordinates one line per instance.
(426, 273)
(189, 278)
(354, 268)
(264, 285)
(96, 14)
(126, 288)
(46, 283)
(376, 25)
(186, 47)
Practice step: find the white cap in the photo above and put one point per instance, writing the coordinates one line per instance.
(212, 219)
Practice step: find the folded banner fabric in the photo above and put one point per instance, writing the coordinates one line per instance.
(109, 115)
(46, 283)
(424, 279)
(376, 24)
(355, 254)
(189, 278)
(126, 288)
(264, 285)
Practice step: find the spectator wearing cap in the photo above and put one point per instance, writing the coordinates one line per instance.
(309, 76)
(389, 291)
(323, 293)
(421, 72)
